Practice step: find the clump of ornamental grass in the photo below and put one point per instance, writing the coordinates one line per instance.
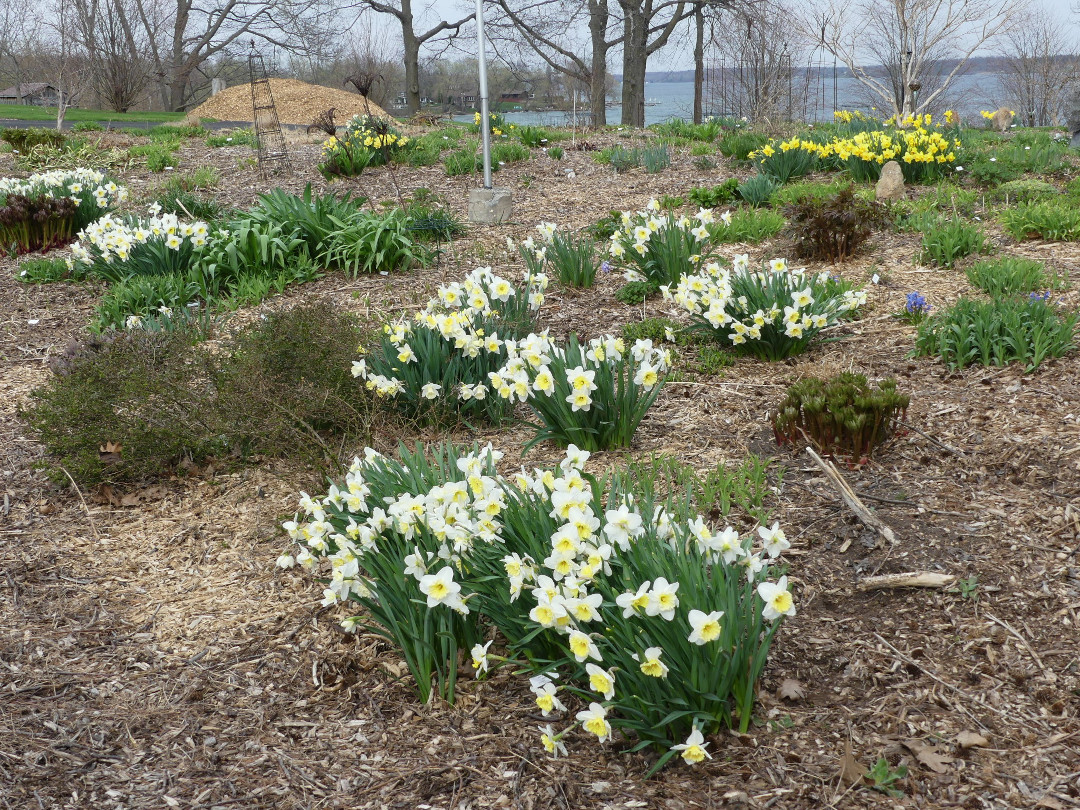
(656, 247)
(771, 313)
(658, 622)
(437, 363)
(844, 417)
(998, 332)
(1012, 275)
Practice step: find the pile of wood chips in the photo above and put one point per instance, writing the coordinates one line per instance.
(297, 103)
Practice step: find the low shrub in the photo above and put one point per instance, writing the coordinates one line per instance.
(998, 332)
(285, 387)
(131, 405)
(843, 417)
(1020, 192)
(714, 196)
(950, 240)
(125, 408)
(46, 271)
(748, 226)
(1055, 221)
(739, 145)
(1011, 276)
(237, 137)
(634, 293)
(833, 228)
(22, 139)
(757, 190)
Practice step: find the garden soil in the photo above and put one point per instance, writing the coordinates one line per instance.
(152, 656)
(297, 103)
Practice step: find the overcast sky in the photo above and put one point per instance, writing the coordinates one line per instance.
(679, 53)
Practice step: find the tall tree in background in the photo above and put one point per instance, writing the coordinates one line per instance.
(550, 29)
(909, 38)
(1039, 67)
(647, 27)
(412, 40)
(115, 49)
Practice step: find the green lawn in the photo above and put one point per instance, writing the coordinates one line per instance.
(23, 112)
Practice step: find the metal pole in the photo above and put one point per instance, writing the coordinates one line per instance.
(485, 118)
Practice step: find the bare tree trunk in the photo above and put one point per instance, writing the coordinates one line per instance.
(635, 60)
(699, 61)
(598, 21)
(411, 48)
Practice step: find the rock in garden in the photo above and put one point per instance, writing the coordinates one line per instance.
(1073, 117)
(891, 184)
(1002, 119)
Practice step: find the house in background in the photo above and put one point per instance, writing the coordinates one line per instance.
(37, 94)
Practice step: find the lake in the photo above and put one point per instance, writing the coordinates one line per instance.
(665, 100)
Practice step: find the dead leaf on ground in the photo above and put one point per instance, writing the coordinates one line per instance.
(933, 758)
(971, 739)
(110, 452)
(791, 689)
(851, 771)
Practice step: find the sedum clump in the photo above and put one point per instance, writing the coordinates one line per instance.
(844, 417)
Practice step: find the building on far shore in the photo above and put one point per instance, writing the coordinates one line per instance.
(37, 94)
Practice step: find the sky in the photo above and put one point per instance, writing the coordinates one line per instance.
(679, 53)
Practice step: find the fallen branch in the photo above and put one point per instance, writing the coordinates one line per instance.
(912, 579)
(850, 498)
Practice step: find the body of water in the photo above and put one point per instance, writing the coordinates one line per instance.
(665, 100)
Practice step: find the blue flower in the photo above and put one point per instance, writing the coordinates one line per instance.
(916, 304)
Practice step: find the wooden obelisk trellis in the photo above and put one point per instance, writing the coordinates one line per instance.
(272, 151)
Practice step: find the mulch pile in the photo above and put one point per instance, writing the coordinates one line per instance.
(297, 103)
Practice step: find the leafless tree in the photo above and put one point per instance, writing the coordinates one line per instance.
(413, 39)
(908, 38)
(552, 29)
(763, 79)
(1039, 68)
(17, 23)
(647, 27)
(116, 50)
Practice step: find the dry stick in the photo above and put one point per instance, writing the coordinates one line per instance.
(851, 499)
(1021, 639)
(928, 437)
(913, 579)
(78, 491)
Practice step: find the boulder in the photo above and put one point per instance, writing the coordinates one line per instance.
(1072, 117)
(1002, 119)
(890, 187)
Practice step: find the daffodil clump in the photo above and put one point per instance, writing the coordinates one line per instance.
(439, 360)
(47, 209)
(496, 123)
(593, 396)
(784, 160)
(657, 622)
(772, 313)
(658, 248)
(573, 256)
(924, 154)
(367, 141)
(118, 248)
